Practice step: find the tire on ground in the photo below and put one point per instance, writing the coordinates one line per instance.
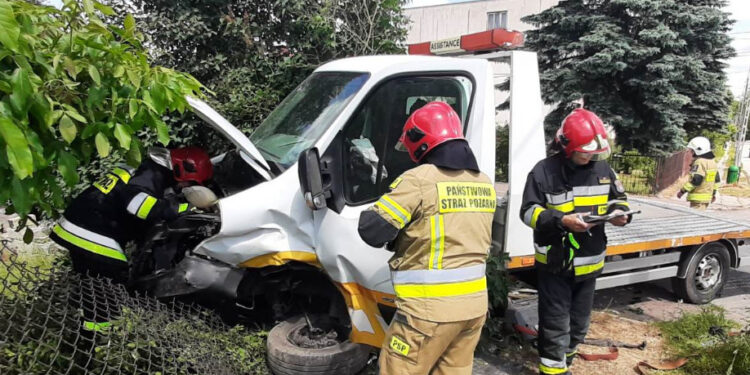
(286, 358)
(688, 290)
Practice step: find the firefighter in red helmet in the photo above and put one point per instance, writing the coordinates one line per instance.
(101, 220)
(437, 219)
(560, 190)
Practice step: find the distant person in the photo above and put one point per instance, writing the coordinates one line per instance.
(704, 175)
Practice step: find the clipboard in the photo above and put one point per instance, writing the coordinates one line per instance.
(598, 219)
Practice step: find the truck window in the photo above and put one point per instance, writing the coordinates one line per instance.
(371, 161)
(297, 123)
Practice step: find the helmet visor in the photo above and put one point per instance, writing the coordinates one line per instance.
(161, 156)
(598, 148)
(604, 155)
(400, 147)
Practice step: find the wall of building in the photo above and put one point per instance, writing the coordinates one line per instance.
(451, 20)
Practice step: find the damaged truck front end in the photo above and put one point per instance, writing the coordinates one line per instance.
(287, 248)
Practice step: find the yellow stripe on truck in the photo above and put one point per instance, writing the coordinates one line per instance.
(280, 258)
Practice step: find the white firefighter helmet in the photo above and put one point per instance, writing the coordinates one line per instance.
(700, 145)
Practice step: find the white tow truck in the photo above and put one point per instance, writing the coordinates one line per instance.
(291, 194)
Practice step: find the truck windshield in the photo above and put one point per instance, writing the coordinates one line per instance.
(298, 122)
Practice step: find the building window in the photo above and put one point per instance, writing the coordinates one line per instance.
(497, 20)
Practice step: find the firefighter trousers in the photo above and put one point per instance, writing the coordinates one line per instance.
(699, 205)
(415, 346)
(96, 292)
(564, 314)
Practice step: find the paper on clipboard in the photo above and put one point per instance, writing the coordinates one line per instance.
(596, 219)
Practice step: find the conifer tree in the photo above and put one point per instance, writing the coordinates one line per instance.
(652, 69)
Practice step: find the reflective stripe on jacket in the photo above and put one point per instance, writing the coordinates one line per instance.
(118, 207)
(555, 188)
(88, 240)
(445, 221)
(704, 180)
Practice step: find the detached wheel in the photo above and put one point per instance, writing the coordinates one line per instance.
(294, 350)
(706, 275)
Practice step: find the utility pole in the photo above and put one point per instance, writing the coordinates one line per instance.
(740, 119)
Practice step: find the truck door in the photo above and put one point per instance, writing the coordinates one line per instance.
(360, 164)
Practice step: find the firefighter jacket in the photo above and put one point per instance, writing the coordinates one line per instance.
(117, 209)
(556, 187)
(439, 223)
(704, 180)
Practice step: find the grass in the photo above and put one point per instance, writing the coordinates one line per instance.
(32, 258)
(690, 336)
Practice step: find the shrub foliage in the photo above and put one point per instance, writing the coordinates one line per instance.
(74, 89)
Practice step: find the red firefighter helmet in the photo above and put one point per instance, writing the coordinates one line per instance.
(427, 127)
(191, 164)
(583, 131)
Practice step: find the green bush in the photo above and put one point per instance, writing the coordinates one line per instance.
(703, 338)
(502, 150)
(719, 139)
(632, 162)
(73, 88)
(252, 53)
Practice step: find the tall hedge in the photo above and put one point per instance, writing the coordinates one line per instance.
(252, 53)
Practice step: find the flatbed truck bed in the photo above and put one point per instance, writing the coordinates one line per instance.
(661, 243)
(664, 225)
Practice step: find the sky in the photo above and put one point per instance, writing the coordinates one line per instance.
(737, 70)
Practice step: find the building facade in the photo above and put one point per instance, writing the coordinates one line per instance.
(450, 20)
(439, 22)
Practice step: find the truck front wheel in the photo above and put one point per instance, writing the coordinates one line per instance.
(295, 349)
(707, 272)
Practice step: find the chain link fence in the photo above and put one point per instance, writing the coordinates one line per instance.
(43, 331)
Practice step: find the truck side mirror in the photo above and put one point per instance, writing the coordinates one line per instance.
(311, 180)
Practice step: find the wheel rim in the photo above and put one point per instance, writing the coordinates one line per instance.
(708, 273)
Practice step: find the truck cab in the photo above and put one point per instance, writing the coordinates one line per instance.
(340, 128)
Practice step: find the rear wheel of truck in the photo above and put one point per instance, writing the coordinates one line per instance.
(295, 349)
(707, 272)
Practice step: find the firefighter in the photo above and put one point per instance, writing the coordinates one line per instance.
(704, 175)
(117, 209)
(560, 190)
(437, 219)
